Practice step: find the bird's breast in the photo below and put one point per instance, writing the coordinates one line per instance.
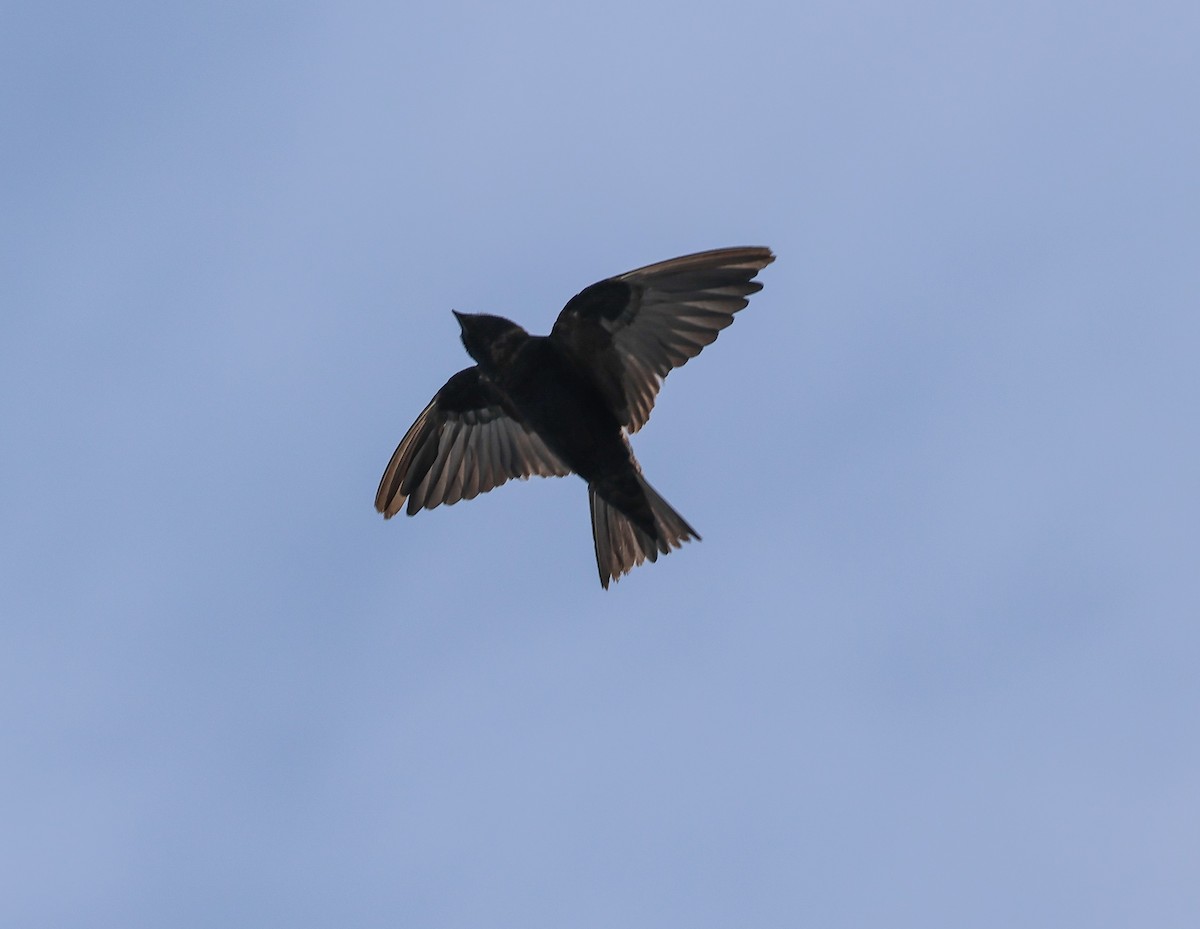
(560, 401)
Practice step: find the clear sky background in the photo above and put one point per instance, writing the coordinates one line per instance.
(934, 663)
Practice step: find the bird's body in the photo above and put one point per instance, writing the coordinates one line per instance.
(554, 397)
(563, 406)
(564, 403)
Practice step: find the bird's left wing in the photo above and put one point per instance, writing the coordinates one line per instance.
(632, 330)
(463, 444)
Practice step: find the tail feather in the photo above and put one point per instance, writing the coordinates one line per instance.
(622, 545)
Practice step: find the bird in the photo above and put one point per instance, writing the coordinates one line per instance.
(567, 402)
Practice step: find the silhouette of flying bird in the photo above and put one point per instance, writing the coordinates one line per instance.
(566, 402)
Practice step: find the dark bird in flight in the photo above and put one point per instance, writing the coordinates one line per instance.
(550, 405)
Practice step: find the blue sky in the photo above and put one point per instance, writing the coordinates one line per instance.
(934, 663)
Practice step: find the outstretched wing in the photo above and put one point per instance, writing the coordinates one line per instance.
(462, 444)
(632, 330)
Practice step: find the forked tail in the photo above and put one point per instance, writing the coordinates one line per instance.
(622, 545)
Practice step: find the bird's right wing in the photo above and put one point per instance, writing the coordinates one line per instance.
(463, 444)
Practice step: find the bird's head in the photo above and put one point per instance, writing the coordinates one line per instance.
(490, 340)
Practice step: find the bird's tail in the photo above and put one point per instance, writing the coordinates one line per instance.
(622, 544)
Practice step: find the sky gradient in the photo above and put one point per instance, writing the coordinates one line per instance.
(934, 663)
